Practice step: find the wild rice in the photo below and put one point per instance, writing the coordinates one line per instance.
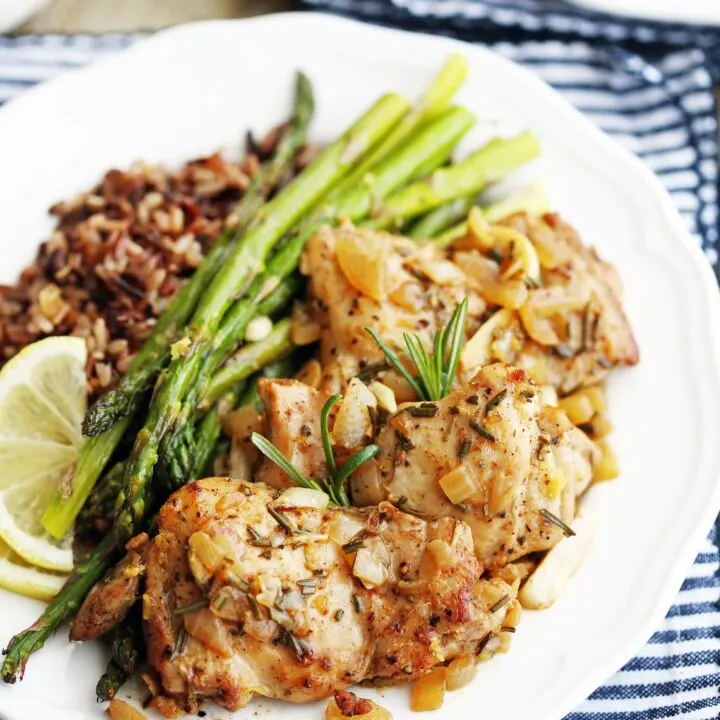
(120, 252)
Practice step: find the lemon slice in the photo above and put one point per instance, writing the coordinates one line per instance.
(43, 397)
(19, 577)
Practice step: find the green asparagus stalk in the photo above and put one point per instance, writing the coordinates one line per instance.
(435, 99)
(531, 199)
(65, 604)
(97, 450)
(100, 506)
(235, 278)
(441, 218)
(249, 359)
(125, 652)
(487, 165)
(177, 448)
(153, 355)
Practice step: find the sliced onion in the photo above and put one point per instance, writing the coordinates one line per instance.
(302, 498)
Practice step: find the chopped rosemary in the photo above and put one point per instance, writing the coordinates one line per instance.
(191, 607)
(436, 369)
(282, 520)
(424, 410)
(464, 447)
(239, 583)
(371, 371)
(495, 401)
(180, 643)
(351, 547)
(357, 603)
(339, 614)
(403, 504)
(507, 628)
(219, 601)
(501, 603)
(555, 520)
(603, 362)
(404, 441)
(480, 430)
(254, 607)
(257, 538)
(463, 506)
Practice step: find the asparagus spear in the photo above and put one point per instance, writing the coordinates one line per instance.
(65, 604)
(178, 447)
(125, 651)
(100, 506)
(120, 405)
(152, 357)
(487, 165)
(242, 267)
(249, 359)
(430, 103)
(441, 218)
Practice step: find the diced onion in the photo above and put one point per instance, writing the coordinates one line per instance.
(303, 498)
(607, 468)
(428, 693)
(477, 351)
(460, 672)
(601, 426)
(120, 710)
(204, 556)
(458, 484)
(368, 569)
(579, 408)
(344, 527)
(352, 422)
(443, 554)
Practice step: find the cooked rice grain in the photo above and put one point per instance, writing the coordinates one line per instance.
(118, 255)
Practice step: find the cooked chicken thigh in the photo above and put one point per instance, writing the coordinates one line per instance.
(492, 453)
(250, 591)
(553, 309)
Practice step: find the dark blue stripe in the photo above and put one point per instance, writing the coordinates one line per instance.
(687, 609)
(669, 662)
(693, 583)
(686, 635)
(675, 710)
(656, 689)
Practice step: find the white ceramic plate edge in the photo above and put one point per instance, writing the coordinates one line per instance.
(701, 12)
(668, 216)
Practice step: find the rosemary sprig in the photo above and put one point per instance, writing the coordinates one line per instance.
(555, 520)
(334, 487)
(435, 372)
(191, 607)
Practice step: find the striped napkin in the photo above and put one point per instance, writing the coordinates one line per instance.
(649, 86)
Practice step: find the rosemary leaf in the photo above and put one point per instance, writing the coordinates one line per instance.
(480, 430)
(555, 520)
(191, 607)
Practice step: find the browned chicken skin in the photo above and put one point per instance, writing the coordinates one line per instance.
(239, 604)
(110, 600)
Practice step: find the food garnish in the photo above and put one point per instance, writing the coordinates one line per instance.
(436, 372)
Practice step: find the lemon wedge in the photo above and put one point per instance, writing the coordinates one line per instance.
(43, 397)
(19, 577)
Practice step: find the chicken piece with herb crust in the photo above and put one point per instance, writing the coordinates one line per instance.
(250, 591)
(491, 453)
(360, 279)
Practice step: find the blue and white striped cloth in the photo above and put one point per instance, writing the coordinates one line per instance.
(647, 89)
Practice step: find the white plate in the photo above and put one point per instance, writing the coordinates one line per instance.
(196, 88)
(701, 12)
